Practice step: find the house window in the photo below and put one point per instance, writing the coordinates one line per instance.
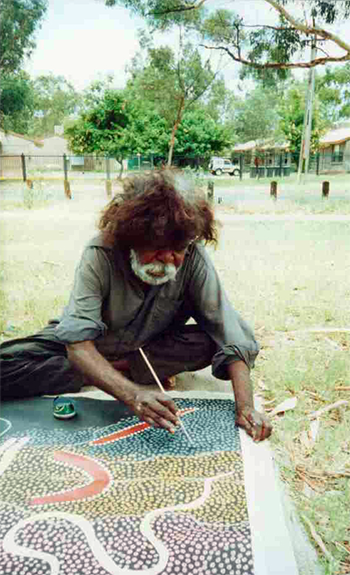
(338, 153)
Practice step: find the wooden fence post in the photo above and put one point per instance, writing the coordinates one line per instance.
(24, 171)
(273, 190)
(325, 189)
(210, 194)
(66, 184)
(240, 166)
(108, 178)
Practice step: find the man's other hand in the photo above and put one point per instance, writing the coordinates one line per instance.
(156, 408)
(256, 424)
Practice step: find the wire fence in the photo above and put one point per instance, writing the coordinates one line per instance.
(64, 166)
(269, 164)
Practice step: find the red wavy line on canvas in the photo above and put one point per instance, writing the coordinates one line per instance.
(100, 476)
(132, 430)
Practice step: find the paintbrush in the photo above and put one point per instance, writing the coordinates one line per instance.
(157, 380)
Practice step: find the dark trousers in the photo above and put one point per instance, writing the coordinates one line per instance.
(38, 364)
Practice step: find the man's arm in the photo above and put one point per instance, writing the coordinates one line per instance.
(255, 423)
(153, 407)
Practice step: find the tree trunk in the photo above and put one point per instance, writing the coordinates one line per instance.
(120, 160)
(174, 130)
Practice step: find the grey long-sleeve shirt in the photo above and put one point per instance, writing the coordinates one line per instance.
(108, 305)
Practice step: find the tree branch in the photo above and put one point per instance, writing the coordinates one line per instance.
(310, 29)
(180, 9)
(280, 65)
(319, 34)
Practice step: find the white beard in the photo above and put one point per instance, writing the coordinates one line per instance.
(145, 272)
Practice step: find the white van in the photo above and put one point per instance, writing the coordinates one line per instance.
(218, 166)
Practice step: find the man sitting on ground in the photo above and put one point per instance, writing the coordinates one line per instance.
(137, 284)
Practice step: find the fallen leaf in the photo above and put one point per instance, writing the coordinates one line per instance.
(327, 408)
(314, 429)
(305, 439)
(309, 436)
(317, 538)
(286, 405)
(308, 491)
(268, 401)
(262, 385)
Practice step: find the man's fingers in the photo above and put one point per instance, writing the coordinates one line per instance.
(256, 425)
(164, 418)
(158, 410)
(151, 421)
(168, 404)
(157, 421)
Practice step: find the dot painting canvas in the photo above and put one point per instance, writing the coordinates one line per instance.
(127, 499)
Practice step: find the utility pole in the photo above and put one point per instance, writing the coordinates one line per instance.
(306, 137)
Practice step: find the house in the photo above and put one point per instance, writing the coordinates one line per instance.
(45, 155)
(12, 146)
(264, 157)
(51, 155)
(335, 149)
(54, 146)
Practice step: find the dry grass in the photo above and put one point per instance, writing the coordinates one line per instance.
(251, 196)
(285, 276)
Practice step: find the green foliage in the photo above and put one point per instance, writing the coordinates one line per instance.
(275, 45)
(255, 117)
(103, 128)
(17, 102)
(199, 135)
(329, 11)
(120, 124)
(55, 100)
(34, 107)
(291, 111)
(333, 89)
(230, 31)
(223, 26)
(148, 132)
(19, 20)
(219, 101)
(162, 14)
(170, 83)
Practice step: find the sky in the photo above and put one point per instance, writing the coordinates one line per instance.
(83, 40)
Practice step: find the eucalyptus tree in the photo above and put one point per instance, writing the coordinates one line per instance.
(19, 21)
(55, 101)
(172, 82)
(265, 45)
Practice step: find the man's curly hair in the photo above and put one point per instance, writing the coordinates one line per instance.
(158, 209)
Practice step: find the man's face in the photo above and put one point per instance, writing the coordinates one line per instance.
(156, 266)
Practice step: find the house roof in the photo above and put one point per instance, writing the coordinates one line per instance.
(251, 145)
(262, 145)
(36, 142)
(335, 136)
